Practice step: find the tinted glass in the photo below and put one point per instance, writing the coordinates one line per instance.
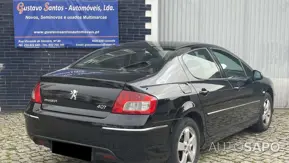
(248, 70)
(201, 64)
(231, 65)
(138, 57)
(172, 72)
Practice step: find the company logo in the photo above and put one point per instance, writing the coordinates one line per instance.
(20, 7)
(73, 94)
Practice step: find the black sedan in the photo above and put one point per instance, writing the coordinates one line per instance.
(148, 102)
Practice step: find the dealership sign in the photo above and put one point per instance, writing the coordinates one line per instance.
(65, 23)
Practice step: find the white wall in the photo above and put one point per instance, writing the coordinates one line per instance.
(256, 30)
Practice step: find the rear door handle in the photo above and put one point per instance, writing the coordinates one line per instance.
(204, 92)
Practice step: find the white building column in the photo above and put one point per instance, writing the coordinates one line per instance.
(154, 24)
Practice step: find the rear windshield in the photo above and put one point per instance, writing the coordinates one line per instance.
(134, 57)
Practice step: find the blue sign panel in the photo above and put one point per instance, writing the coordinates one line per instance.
(66, 23)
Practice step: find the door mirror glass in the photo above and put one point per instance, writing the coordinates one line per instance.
(257, 75)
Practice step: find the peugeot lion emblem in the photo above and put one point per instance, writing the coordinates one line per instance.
(73, 94)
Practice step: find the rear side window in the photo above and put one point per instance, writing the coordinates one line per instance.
(126, 58)
(201, 65)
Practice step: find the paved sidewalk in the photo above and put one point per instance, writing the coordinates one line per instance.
(15, 146)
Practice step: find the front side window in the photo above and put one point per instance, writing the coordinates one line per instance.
(231, 65)
(248, 70)
(201, 65)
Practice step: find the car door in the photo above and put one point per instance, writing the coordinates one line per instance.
(246, 102)
(215, 92)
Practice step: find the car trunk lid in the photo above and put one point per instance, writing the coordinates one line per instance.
(82, 92)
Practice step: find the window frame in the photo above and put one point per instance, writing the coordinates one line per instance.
(149, 48)
(202, 48)
(232, 55)
(249, 67)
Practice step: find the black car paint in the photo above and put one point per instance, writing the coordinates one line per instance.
(180, 97)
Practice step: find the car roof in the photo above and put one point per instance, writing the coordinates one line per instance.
(172, 45)
(178, 45)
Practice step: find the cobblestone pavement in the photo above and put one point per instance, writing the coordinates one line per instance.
(15, 146)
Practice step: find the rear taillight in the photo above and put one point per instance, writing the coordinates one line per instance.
(36, 97)
(134, 103)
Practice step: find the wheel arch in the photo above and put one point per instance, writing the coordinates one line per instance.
(199, 119)
(270, 91)
(193, 110)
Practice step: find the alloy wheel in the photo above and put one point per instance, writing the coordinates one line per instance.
(187, 146)
(267, 112)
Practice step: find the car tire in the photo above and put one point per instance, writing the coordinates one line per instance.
(189, 148)
(265, 116)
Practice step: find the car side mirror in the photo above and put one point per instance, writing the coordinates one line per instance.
(257, 75)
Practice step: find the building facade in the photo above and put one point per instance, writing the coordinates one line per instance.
(21, 68)
(255, 30)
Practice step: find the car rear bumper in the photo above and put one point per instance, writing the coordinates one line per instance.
(108, 143)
